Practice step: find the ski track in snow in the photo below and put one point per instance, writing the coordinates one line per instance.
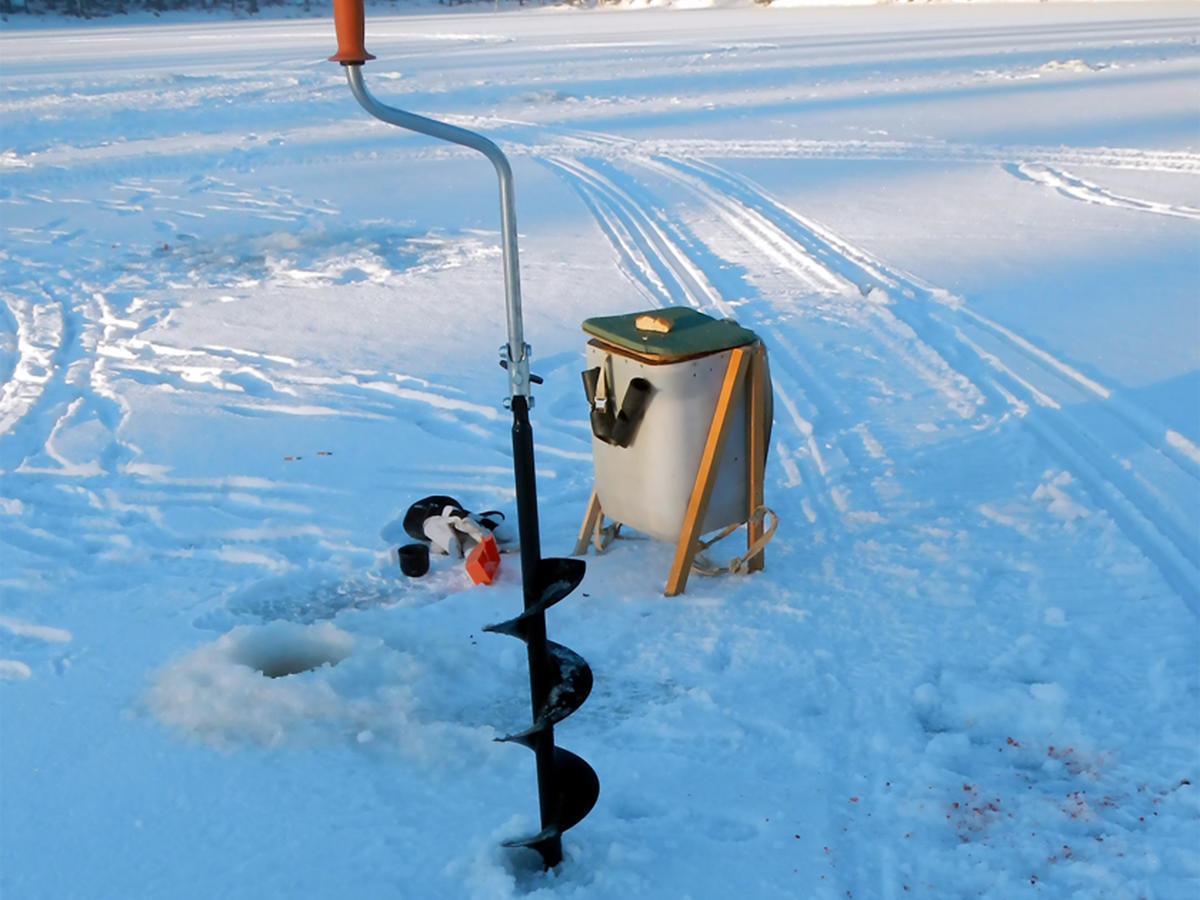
(1120, 158)
(1080, 189)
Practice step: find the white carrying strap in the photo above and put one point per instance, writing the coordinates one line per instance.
(453, 532)
(600, 402)
(739, 564)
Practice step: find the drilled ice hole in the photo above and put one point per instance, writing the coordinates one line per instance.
(285, 648)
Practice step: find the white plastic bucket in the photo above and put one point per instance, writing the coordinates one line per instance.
(647, 485)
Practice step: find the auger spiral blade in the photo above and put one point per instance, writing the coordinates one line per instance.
(560, 681)
(555, 578)
(578, 788)
(571, 682)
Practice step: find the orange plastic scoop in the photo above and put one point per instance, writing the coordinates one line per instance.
(484, 561)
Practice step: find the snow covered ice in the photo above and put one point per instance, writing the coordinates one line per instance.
(243, 326)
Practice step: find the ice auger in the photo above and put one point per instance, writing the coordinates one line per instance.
(559, 679)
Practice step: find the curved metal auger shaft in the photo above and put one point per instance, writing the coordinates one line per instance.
(559, 679)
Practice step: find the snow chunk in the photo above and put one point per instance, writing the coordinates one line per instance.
(10, 159)
(1053, 694)
(11, 670)
(1183, 445)
(1070, 65)
(1055, 617)
(1060, 503)
(38, 632)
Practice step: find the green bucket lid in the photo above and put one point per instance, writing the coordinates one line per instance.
(691, 333)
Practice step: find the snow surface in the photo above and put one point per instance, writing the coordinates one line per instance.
(244, 326)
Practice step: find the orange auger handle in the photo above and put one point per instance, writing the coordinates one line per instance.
(348, 22)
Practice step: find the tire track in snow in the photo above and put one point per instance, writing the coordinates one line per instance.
(271, 388)
(1026, 377)
(1018, 377)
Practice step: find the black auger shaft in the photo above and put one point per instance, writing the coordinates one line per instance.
(559, 680)
(535, 646)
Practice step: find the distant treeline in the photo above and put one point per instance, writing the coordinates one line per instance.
(88, 9)
(95, 9)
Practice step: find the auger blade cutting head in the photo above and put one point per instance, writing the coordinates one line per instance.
(580, 787)
(578, 790)
(573, 685)
(571, 682)
(556, 577)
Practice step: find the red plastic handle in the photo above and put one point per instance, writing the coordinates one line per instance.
(348, 21)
